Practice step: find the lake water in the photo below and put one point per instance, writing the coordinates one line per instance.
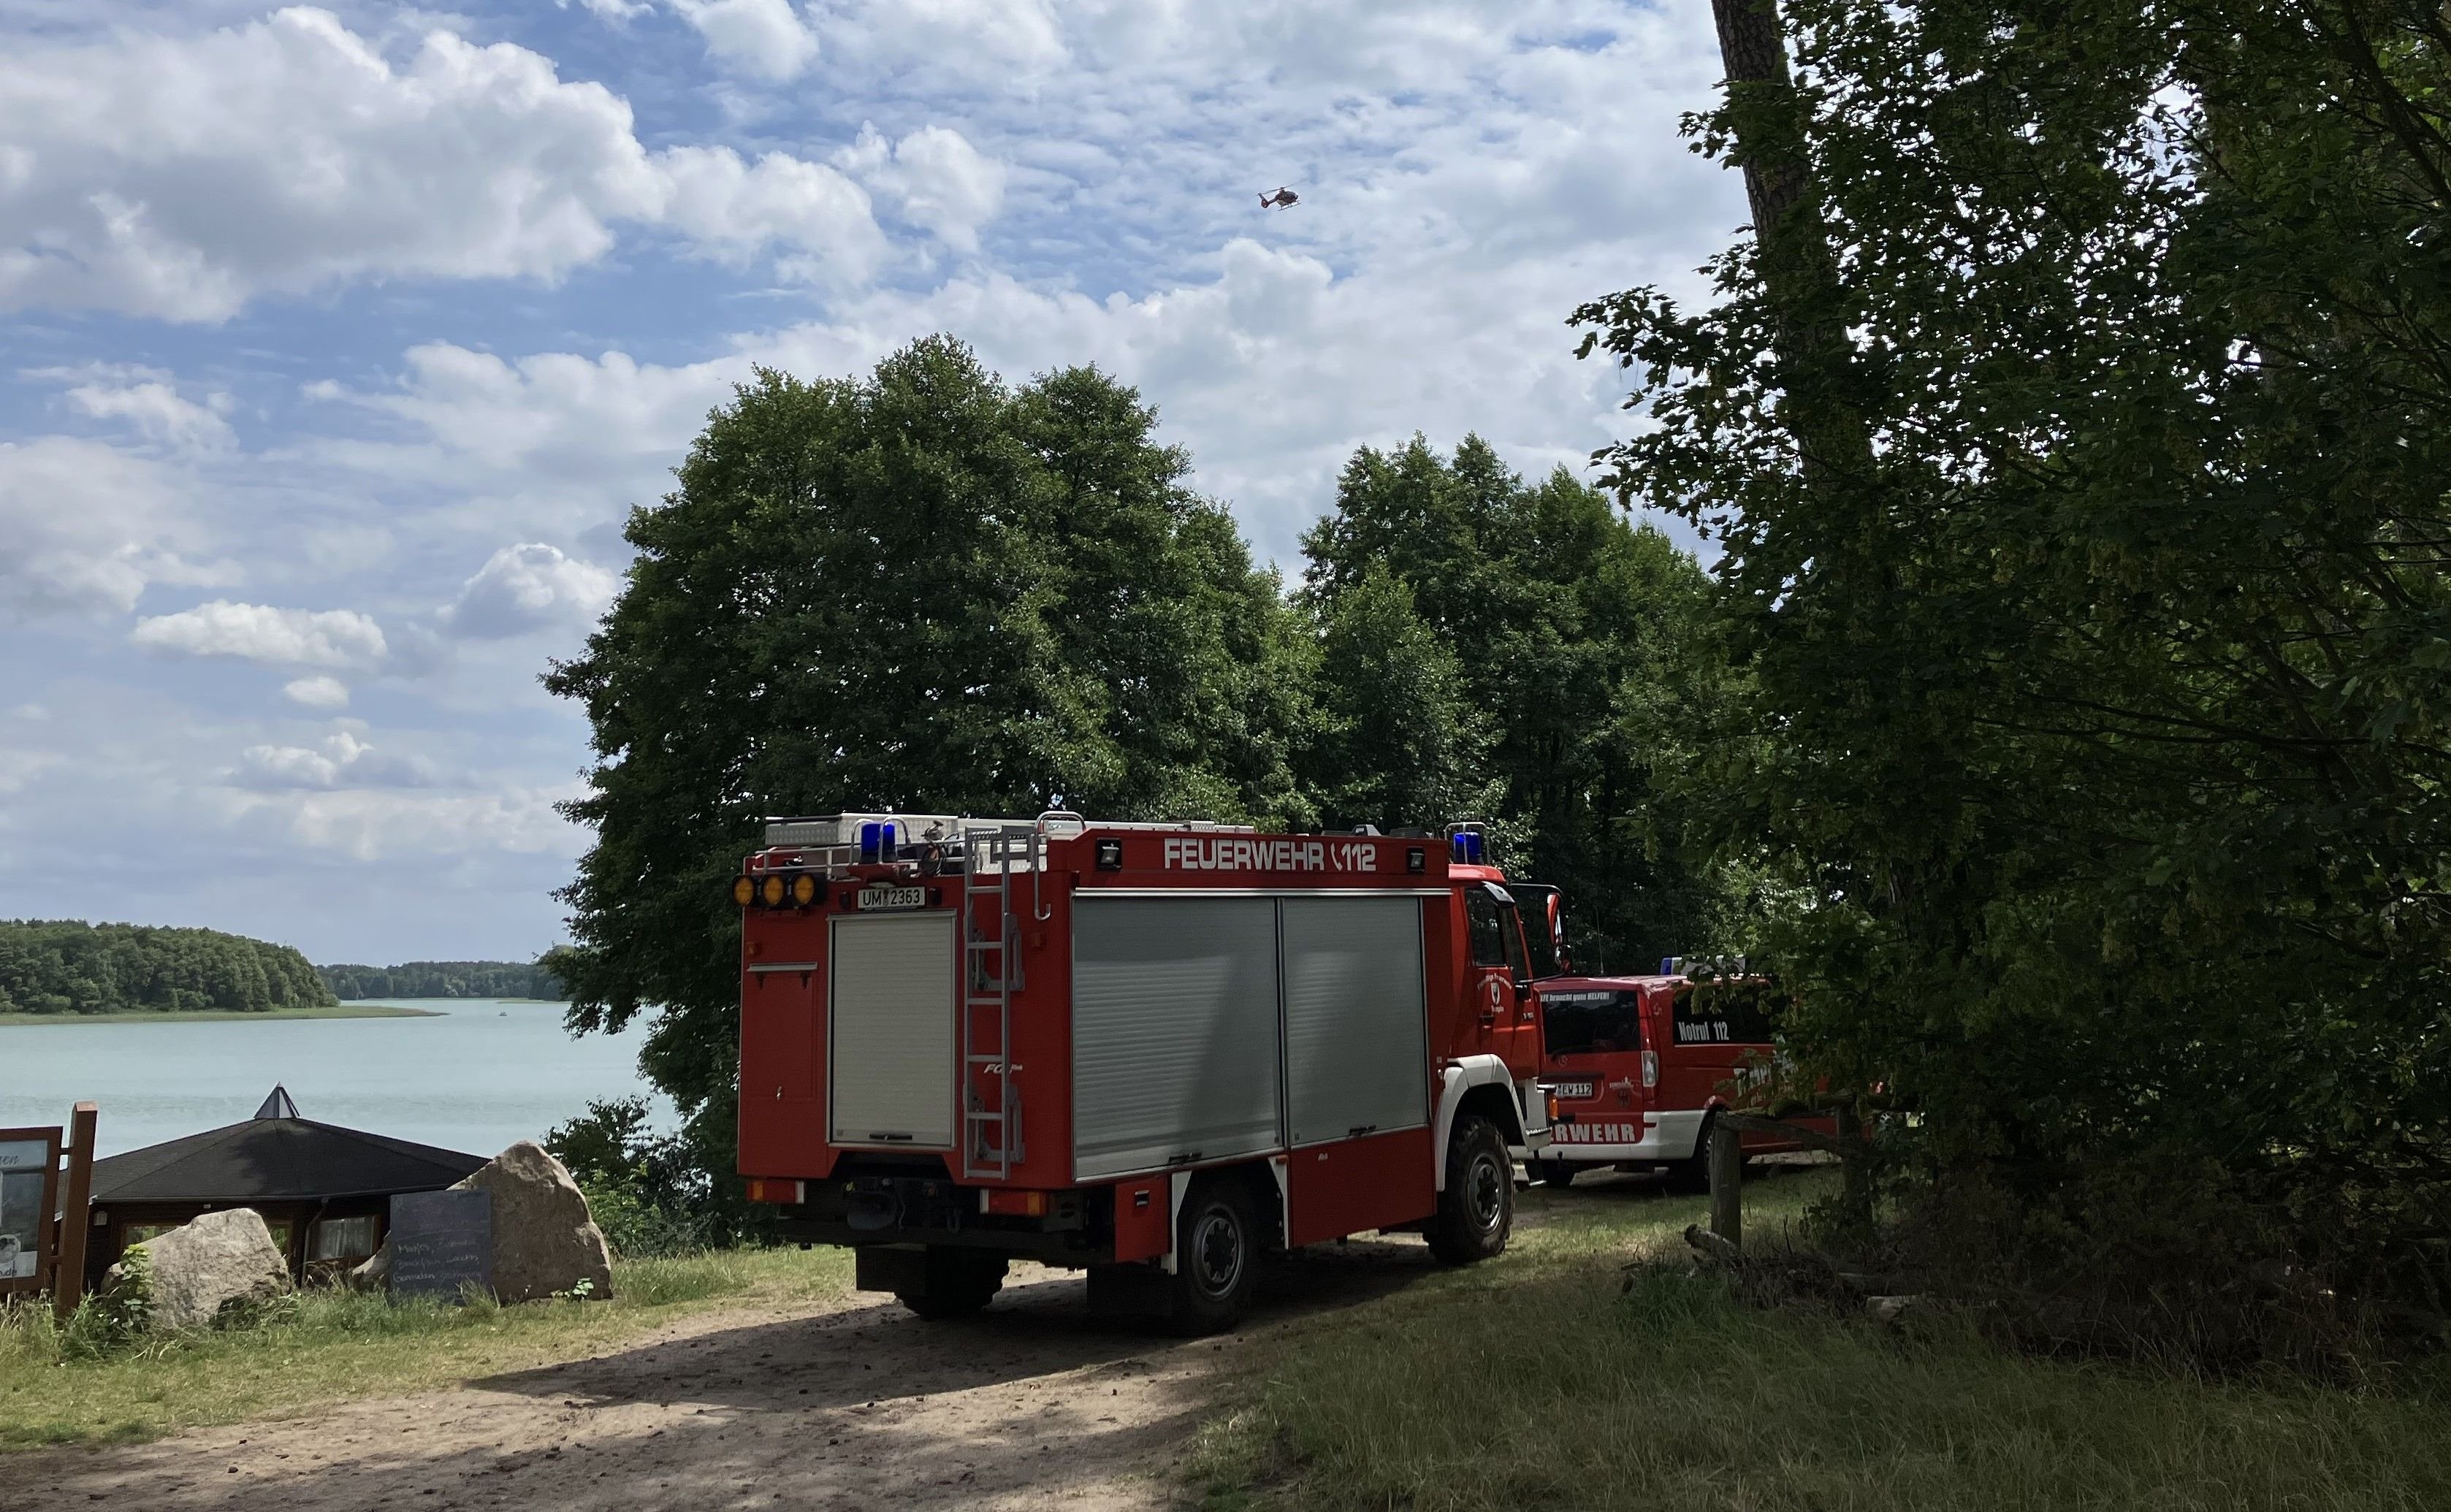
(476, 1077)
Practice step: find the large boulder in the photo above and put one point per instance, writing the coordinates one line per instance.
(544, 1242)
(222, 1265)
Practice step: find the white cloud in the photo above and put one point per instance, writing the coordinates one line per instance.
(369, 824)
(181, 176)
(934, 178)
(318, 692)
(147, 403)
(339, 760)
(524, 588)
(86, 527)
(734, 210)
(298, 638)
(765, 39)
(982, 40)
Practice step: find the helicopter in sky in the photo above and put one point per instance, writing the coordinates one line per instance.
(1284, 198)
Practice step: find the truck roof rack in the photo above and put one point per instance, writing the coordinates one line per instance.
(829, 830)
(942, 842)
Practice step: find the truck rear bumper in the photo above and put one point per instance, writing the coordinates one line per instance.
(1068, 1247)
(1633, 1138)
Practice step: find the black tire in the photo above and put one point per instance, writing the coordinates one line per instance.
(1476, 1211)
(1556, 1173)
(960, 1281)
(1217, 1244)
(1692, 1175)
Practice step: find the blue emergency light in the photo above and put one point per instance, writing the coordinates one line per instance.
(1467, 847)
(877, 840)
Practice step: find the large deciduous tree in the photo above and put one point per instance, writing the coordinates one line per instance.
(2080, 440)
(921, 590)
(1519, 653)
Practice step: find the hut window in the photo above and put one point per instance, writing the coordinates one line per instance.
(138, 1233)
(344, 1238)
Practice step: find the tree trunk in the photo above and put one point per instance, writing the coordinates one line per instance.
(1800, 273)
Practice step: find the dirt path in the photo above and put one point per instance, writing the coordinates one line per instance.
(1031, 1405)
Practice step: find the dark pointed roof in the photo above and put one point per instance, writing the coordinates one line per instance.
(276, 1157)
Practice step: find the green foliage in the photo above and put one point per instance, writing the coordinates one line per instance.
(646, 1192)
(1519, 653)
(444, 979)
(1397, 740)
(63, 966)
(2104, 673)
(118, 1314)
(921, 590)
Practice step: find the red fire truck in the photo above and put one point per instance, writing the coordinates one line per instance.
(1637, 1065)
(1151, 1052)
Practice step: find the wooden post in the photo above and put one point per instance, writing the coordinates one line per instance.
(1728, 1183)
(76, 1218)
(1855, 1193)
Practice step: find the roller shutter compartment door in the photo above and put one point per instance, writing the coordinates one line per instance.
(891, 987)
(1356, 1053)
(1174, 1031)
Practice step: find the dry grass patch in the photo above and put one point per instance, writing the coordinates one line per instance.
(341, 1345)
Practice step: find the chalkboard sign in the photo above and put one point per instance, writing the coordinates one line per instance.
(442, 1240)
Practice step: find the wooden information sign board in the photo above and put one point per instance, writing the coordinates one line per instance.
(43, 1229)
(442, 1242)
(29, 1193)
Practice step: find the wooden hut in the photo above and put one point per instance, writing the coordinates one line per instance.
(323, 1190)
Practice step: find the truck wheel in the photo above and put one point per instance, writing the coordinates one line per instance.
(1693, 1173)
(959, 1283)
(1555, 1173)
(1216, 1257)
(1476, 1211)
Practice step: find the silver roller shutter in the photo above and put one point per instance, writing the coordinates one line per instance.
(1174, 1031)
(890, 1058)
(1356, 1044)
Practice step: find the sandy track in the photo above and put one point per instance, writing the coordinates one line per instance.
(1031, 1405)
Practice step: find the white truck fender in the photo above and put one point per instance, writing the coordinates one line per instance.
(1458, 1077)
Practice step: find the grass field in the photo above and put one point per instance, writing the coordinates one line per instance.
(344, 1345)
(343, 1011)
(1553, 1378)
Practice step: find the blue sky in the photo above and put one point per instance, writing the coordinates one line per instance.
(340, 340)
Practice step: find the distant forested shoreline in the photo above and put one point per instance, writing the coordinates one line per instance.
(69, 968)
(444, 979)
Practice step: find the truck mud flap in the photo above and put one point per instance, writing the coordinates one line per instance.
(879, 1267)
(915, 1272)
(1130, 1292)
